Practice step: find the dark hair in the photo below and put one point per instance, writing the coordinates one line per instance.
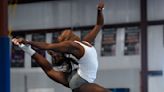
(70, 61)
(67, 60)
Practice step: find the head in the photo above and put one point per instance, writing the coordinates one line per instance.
(57, 58)
(68, 35)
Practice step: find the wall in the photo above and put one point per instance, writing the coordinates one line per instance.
(118, 71)
(108, 78)
(155, 45)
(155, 58)
(124, 78)
(83, 12)
(65, 13)
(155, 10)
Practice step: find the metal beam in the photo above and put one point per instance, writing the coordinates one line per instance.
(131, 24)
(28, 1)
(144, 51)
(4, 48)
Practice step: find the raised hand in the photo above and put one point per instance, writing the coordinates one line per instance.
(100, 6)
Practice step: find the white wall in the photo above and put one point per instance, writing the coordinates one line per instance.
(17, 82)
(124, 78)
(34, 80)
(155, 47)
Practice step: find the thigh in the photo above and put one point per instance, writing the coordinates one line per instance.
(76, 81)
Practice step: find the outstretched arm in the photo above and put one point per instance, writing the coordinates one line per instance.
(41, 45)
(63, 47)
(100, 21)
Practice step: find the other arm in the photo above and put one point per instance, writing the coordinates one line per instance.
(100, 21)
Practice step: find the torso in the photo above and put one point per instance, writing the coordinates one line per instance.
(88, 62)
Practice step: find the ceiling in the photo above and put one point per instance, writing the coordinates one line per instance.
(26, 1)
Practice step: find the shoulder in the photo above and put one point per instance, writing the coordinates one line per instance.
(73, 45)
(84, 43)
(77, 49)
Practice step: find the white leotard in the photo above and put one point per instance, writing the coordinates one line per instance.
(88, 63)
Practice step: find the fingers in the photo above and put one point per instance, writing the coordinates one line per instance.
(18, 41)
(101, 1)
(101, 4)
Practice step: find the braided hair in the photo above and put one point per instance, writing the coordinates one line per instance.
(70, 62)
(67, 61)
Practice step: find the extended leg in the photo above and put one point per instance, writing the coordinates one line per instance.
(57, 76)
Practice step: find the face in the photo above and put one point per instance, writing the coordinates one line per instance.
(67, 35)
(58, 58)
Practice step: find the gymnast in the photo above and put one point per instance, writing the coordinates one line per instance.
(82, 79)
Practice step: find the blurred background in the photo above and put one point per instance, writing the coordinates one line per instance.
(130, 46)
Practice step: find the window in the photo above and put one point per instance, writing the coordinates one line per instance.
(54, 40)
(108, 45)
(84, 33)
(55, 36)
(40, 37)
(132, 35)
